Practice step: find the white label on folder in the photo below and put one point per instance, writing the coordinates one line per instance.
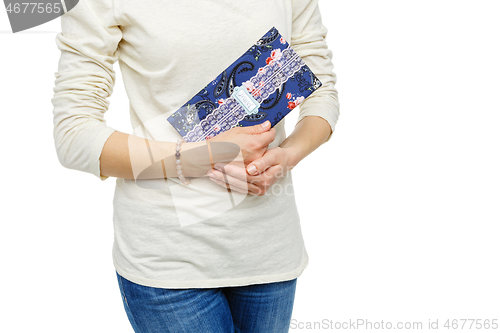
(246, 100)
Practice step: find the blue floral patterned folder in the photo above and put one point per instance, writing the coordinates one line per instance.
(265, 83)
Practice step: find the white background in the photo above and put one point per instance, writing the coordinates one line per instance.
(400, 210)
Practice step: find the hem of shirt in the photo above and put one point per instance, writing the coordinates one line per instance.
(214, 283)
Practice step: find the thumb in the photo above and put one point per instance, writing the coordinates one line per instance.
(259, 128)
(260, 165)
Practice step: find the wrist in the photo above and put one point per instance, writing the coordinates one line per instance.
(195, 159)
(193, 156)
(293, 157)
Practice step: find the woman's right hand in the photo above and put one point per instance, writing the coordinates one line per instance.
(251, 140)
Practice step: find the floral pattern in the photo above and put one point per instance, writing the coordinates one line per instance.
(275, 56)
(293, 104)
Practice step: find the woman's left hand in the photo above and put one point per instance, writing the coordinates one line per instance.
(273, 165)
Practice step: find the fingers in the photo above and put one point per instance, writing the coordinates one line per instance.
(259, 128)
(233, 183)
(266, 138)
(236, 171)
(262, 133)
(261, 164)
(229, 177)
(233, 188)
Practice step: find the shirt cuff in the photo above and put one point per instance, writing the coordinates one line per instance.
(326, 108)
(95, 154)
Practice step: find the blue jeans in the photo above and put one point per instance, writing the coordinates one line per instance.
(257, 308)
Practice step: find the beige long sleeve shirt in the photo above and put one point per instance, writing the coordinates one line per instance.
(167, 52)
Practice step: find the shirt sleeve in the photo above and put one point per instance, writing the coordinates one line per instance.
(88, 42)
(308, 39)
